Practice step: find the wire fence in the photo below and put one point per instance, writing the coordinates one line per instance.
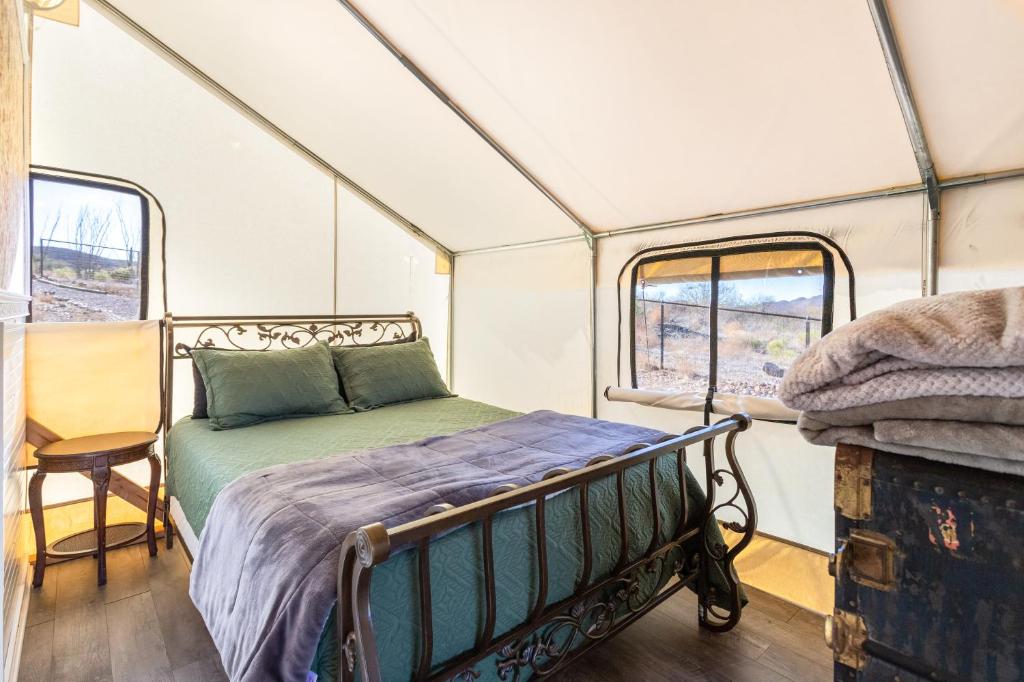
(58, 260)
(754, 347)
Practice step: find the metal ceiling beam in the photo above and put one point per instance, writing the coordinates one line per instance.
(713, 218)
(951, 183)
(461, 113)
(243, 107)
(915, 131)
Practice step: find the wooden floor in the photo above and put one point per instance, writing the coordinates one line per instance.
(142, 626)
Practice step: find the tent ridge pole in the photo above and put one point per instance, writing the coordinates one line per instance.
(214, 86)
(434, 88)
(918, 142)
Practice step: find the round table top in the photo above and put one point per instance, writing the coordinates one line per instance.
(102, 444)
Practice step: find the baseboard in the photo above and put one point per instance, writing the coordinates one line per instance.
(12, 657)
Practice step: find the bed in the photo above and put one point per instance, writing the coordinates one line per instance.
(470, 592)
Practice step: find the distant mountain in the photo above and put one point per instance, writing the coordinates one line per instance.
(805, 306)
(71, 256)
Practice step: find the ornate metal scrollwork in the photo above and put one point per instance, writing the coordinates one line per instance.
(545, 650)
(720, 612)
(348, 651)
(281, 335)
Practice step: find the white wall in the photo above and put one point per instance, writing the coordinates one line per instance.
(982, 237)
(521, 336)
(382, 269)
(247, 217)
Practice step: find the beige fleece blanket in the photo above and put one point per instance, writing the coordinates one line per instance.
(941, 378)
(971, 429)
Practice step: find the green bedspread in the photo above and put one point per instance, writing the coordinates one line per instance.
(202, 462)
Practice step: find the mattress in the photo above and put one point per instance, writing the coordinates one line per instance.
(202, 462)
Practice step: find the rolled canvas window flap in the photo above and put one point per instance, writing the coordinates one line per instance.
(89, 378)
(739, 266)
(723, 403)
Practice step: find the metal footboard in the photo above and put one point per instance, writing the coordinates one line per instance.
(555, 634)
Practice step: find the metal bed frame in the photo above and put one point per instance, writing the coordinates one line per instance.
(553, 634)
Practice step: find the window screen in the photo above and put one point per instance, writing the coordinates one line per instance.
(731, 321)
(89, 257)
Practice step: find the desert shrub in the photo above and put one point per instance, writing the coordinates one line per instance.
(776, 348)
(123, 274)
(101, 276)
(62, 272)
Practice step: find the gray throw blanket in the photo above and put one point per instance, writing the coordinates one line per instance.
(264, 577)
(939, 377)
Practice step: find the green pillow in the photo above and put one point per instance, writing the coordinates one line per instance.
(249, 387)
(372, 376)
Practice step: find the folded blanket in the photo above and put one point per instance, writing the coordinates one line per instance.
(976, 428)
(940, 378)
(962, 344)
(265, 573)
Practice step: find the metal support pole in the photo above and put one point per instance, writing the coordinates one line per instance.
(930, 250)
(661, 337)
(593, 325)
(915, 131)
(450, 370)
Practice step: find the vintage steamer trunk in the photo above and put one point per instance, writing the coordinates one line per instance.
(929, 570)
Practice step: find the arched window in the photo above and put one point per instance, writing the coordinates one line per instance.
(715, 325)
(90, 248)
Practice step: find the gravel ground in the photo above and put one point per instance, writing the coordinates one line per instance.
(54, 303)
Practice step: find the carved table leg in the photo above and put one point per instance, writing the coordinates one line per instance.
(100, 483)
(154, 487)
(35, 503)
(95, 526)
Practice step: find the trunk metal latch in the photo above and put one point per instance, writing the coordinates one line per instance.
(845, 634)
(868, 558)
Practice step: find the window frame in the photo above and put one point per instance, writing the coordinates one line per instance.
(82, 181)
(716, 254)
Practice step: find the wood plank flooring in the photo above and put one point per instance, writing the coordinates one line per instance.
(142, 626)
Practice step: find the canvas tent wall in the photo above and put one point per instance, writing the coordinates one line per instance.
(648, 123)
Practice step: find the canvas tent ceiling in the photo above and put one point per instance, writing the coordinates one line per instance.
(628, 112)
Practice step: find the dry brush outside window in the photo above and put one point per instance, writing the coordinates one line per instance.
(731, 320)
(89, 243)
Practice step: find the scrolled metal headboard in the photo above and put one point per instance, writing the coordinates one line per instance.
(276, 332)
(269, 332)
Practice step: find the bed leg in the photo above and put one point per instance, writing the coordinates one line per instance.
(168, 525)
(719, 612)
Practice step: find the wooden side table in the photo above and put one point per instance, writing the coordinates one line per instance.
(95, 455)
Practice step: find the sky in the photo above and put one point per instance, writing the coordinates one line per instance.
(58, 199)
(778, 288)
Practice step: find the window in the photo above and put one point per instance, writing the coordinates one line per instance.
(89, 250)
(729, 320)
